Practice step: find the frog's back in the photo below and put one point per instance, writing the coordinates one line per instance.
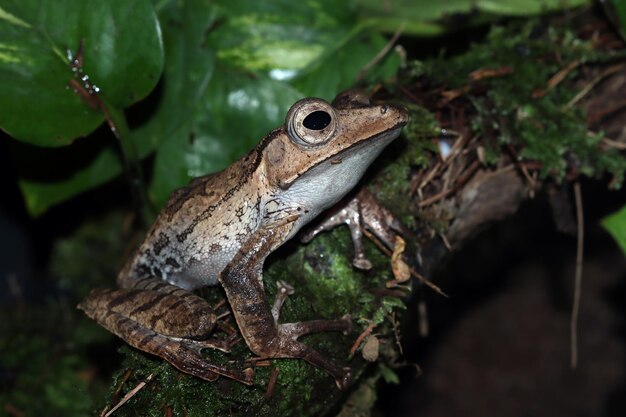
(200, 229)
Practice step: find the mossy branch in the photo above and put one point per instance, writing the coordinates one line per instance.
(510, 133)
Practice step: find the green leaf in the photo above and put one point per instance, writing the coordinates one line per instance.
(236, 112)
(39, 195)
(280, 37)
(616, 12)
(223, 88)
(388, 374)
(189, 66)
(423, 17)
(615, 224)
(122, 56)
(340, 67)
(526, 7)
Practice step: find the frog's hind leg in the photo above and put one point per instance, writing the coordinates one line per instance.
(149, 320)
(181, 355)
(180, 314)
(257, 321)
(171, 311)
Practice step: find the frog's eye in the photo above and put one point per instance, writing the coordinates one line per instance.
(311, 122)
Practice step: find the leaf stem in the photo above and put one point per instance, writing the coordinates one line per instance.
(119, 126)
(91, 96)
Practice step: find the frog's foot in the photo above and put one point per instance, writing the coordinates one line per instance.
(361, 212)
(283, 292)
(349, 215)
(183, 354)
(290, 347)
(223, 345)
(288, 334)
(302, 328)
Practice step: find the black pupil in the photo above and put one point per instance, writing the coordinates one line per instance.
(317, 120)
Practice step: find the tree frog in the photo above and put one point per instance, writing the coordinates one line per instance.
(221, 227)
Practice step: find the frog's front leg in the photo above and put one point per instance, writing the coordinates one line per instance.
(361, 211)
(165, 321)
(242, 281)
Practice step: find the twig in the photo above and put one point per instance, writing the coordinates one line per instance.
(436, 197)
(381, 54)
(408, 94)
(610, 143)
(587, 88)
(269, 392)
(121, 383)
(524, 170)
(469, 172)
(395, 326)
(557, 78)
(429, 176)
(474, 77)
(416, 274)
(483, 73)
(445, 241)
(130, 395)
(578, 276)
(362, 336)
(457, 147)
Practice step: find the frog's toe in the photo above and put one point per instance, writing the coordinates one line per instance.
(344, 380)
(361, 262)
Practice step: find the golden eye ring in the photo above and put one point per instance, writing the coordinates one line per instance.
(311, 122)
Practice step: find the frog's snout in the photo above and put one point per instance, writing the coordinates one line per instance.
(397, 111)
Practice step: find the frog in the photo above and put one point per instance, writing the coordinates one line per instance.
(220, 228)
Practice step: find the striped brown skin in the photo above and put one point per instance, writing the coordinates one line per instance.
(180, 354)
(164, 308)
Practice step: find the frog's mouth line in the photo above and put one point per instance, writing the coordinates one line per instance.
(367, 141)
(380, 140)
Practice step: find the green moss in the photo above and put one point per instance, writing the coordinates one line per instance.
(39, 361)
(519, 109)
(361, 401)
(173, 390)
(190, 396)
(92, 256)
(47, 363)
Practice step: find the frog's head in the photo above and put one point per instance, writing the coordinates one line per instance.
(324, 149)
